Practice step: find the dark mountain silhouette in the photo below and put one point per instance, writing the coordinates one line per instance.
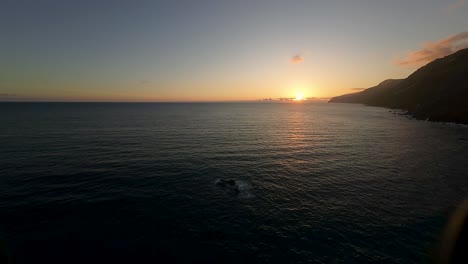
(437, 91)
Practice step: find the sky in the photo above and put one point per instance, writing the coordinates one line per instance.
(120, 50)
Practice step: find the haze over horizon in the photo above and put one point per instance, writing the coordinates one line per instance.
(217, 50)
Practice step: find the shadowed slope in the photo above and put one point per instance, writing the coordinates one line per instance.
(437, 91)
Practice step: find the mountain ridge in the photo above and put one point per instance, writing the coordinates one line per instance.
(437, 91)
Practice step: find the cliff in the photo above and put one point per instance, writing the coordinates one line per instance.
(437, 91)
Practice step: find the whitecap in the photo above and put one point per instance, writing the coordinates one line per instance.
(237, 188)
(244, 188)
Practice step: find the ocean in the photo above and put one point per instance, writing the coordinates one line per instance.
(225, 183)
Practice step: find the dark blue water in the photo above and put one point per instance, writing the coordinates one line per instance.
(135, 183)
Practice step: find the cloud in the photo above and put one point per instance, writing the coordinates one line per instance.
(456, 5)
(434, 50)
(358, 89)
(144, 82)
(296, 59)
(8, 95)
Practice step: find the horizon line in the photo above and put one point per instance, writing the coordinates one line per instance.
(264, 100)
(160, 102)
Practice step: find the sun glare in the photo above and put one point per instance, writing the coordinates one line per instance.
(299, 97)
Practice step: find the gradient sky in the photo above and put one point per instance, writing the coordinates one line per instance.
(213, 50)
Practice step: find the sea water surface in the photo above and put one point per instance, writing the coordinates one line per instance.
(136, 183)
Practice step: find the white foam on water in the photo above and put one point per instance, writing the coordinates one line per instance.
(241, 189)
(244, 189)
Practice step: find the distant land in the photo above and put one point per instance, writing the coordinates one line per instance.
(293, 99)
(437, 91)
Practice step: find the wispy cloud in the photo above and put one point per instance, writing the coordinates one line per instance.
(456, 5)
(144, 82)
(434, 50)
(7, 95)
(358, 89)
(296, 59)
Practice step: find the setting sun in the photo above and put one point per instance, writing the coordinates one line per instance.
(299, 97)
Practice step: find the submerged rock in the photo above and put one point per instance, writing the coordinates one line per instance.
(224, 183)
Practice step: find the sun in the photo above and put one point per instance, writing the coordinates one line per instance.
(299, 97)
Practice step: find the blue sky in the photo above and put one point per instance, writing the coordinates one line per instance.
(211, 50)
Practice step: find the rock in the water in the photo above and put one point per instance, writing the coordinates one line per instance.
(238, 188)
(224, 183)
